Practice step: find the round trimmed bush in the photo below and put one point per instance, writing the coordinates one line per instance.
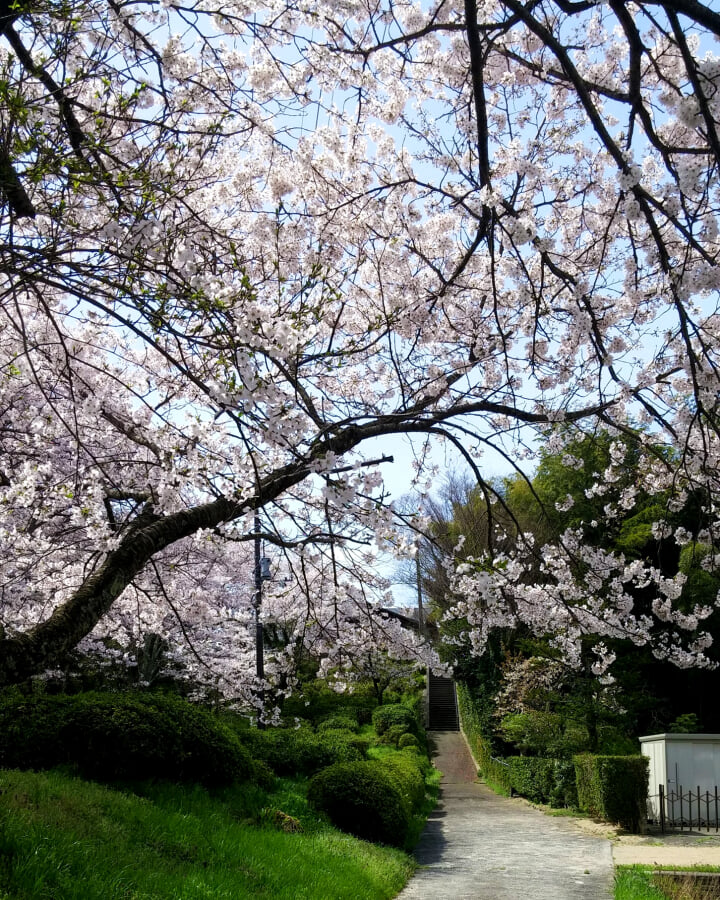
(361, 799)
(408, 740)
(407, 775)
(419, 758)
(393, 734)
(393, 714)
(338, 723)
(109, 736)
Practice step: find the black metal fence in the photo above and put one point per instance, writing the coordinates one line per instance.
(692, 810)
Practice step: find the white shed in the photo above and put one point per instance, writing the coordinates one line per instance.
(680, 762)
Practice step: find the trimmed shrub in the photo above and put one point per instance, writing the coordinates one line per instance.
(338, 723)
(408, 740)
(532, 777)
(299, 751)
(407, 775)
(420, 758)
(564, 792)
(392, 735)
(317, 701)
(492, 769)
(541, 780)
(361, 799)
(263, 775)
(126, 736)
(613, 788)
(345, 746)
(394, 714)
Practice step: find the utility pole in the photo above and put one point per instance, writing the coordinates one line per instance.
(257, 603)
(421, 615)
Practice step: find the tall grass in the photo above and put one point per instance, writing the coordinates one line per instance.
(633, 883)
(62, 838)
(642, 883)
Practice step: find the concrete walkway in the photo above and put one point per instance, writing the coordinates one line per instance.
(479, 846)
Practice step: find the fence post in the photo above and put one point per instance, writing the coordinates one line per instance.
(661, 789)
(681, 809)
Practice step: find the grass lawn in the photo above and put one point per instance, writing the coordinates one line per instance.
(62, 838)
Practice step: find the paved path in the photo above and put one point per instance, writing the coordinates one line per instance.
(479, 846)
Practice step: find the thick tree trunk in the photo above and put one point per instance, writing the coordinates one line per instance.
(25, 654)
(28, 653)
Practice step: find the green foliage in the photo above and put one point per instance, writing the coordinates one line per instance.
(263, 775)
(614, 788)
(550, 734)
(532, 777)
(550, 781)
(413, 700)
(407, 774)
(421, 759)
(564, 791)
(408, 740)
(534, 731)
(542, 780)
(300, 751)
(317, 701)
(687, 723)
(590, 456)
(492, 768)
(393, 734)
(692, 555)
(393, 714)
(614, 742)
(635, 532)
(109, 736)
(338, 722)
(482, 749)
(361, 799)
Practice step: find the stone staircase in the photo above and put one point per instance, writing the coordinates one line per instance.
(442, 704)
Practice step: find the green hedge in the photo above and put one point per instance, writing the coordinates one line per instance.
(491, 769)
(532, 777)
(421, 758)
(613, 788)
(362, 799)
(564, 792)
(543, 780)
(120, 735)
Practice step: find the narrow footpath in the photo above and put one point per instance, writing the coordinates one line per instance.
(480, 846)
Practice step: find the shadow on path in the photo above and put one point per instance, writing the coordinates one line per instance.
(485, 847)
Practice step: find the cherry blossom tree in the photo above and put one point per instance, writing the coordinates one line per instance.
(239, 245)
